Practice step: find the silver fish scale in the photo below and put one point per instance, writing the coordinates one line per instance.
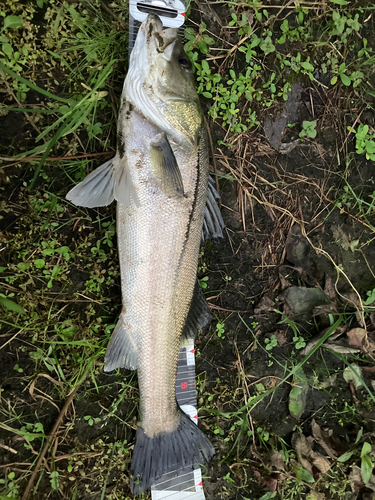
(158, 248)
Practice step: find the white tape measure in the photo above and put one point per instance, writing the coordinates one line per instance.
(171, 13)
(184, 484)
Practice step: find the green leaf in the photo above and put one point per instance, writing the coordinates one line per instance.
(207, 94)
(334, 80)
(7, 49)
(12, 22)
(339, 2)
(366, 468)
(205, 66)
(345, 456)
(267, 46)
(345, 80)
(298, 394)
(12, 306)
(2, 269)
(39, 263)
(304, 475)
(366, 448)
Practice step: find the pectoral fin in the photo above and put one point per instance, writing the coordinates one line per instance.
(165, 168)
(108, 182)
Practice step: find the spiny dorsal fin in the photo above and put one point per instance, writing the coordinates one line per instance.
(213, 223)
(165, 168)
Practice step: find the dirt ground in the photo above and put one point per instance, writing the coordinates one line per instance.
(286, 288)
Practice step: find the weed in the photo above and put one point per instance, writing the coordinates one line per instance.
(365, 141)
(370, 298)
(91, 420)
(11, 488)
(270, 343)
(203, 282)
(308, 130)
(54, 480)
(220, 330)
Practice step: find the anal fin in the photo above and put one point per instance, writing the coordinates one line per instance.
(199, 316)
(121, 350)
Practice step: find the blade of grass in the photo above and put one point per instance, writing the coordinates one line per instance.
(31, 85)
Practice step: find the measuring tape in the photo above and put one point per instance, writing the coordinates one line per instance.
(182, 484)
(171, 13)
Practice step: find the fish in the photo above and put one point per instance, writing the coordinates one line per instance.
(166, 205)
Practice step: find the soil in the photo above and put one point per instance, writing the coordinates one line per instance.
(283, 230)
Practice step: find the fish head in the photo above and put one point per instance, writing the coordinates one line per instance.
(160, 81)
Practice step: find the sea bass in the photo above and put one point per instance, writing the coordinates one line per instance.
(160, 178)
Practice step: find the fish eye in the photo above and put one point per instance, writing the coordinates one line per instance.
(184, 62)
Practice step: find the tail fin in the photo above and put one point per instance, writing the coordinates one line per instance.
(187, 446)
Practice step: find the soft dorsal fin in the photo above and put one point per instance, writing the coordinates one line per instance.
(165, 168)
(199, 316)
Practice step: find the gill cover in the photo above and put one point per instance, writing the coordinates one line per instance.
(156, 80)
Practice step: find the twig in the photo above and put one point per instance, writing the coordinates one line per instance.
(49, 442)
(213, 306)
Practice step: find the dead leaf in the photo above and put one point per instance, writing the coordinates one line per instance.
(353, 375)
(353, 299)
(324, 309)
(323, 438)
(355, 479)
(341, 238)
(329, 289)
(320, 462)
(277, 461)
(328, 382)
(341, 348)
(280, 337)
(270, 481)
(356, 336)
(265, 305)
(334, 335)
(303, 447)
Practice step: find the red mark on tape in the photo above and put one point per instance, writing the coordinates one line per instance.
(184, 385)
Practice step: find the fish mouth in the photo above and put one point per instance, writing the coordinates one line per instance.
(153, 33)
